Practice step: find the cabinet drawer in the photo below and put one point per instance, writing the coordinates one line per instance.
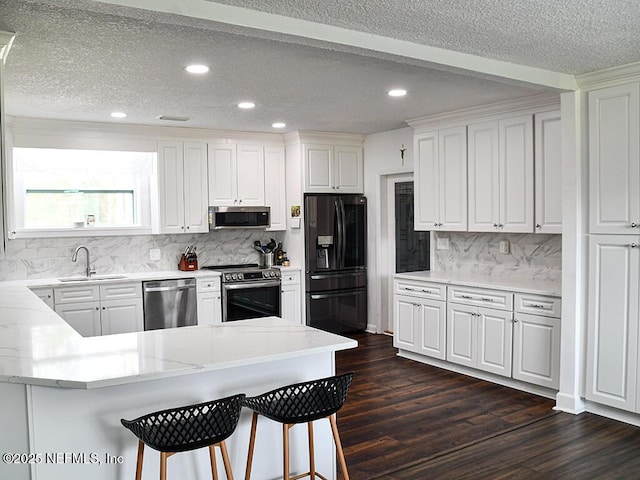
(290, 278)
(121, 290)
(482, 297)
(84, 293)
(208, 284)
(435, 291)
(538, 305)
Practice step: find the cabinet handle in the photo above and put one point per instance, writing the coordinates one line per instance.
(487, 299)
(538, 226)
(104, 308)
(97, 308)
(500, 225)
(633, 245)
(427, 291)
(435, 224)
(240, 201)
(468, 297)
(536, 305)
(495, 225)
(188, 227)
(634, 225)
(515, 320)
(439, 224)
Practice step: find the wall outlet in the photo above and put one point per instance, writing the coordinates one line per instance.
(154, 254)
(505, 247)
(442, 244)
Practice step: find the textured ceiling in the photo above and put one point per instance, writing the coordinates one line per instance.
(81, 60)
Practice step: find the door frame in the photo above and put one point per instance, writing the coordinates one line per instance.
(387, 257)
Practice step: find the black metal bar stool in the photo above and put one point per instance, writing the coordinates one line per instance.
(301, 403)
(181, 429)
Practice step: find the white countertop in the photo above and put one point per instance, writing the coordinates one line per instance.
(38, 347)
(513, 284)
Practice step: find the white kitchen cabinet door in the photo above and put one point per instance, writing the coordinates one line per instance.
(614, 160)
(516, 174)
(348, 176)
(196, 195)
(319, 174)
(275, 189)
(495, 340)
(484, 177)
(121, 316)
(462, 335)
(290, 303)
(548, 173)
(405, 323)
(84, 317)
(209, 308)
(612, 338)
(536, 349)
(250, 175)
(171, 186)
(426, 178)
(453, 179)
(432, 328)
(221, 162)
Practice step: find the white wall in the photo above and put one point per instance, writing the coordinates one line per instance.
(381, 160)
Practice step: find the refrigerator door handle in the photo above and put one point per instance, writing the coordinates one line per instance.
(343, 220)
(340, 235)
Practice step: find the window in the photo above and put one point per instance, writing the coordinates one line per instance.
(59, 190)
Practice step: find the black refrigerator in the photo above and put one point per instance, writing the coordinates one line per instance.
(336, 262)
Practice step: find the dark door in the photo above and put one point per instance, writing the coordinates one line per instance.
(338, 311)
(322, 230)
(354, 218)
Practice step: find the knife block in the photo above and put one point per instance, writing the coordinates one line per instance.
(187, 265)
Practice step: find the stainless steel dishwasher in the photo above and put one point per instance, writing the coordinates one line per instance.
(169, 303)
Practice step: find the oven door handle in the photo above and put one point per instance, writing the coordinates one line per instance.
(244, 286)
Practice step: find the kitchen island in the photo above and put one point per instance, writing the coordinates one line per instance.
(63, 395)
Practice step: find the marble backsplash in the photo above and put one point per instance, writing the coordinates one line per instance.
(537, 256)
(51, 257)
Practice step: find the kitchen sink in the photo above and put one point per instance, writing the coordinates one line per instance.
(93, 278)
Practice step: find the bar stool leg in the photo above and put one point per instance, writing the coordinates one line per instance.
(214, 466)
(163, 465)
(252, 441)
(312, 462)
(285, 449)
(336, 439)
(225, 460)
(140, 459)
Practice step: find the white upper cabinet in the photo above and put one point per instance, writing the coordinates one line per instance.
(614, 159)
(333, 169)
(182, 180)
(441, 175)
(501, 175)
(236, 175)
(548, 169)
(275, 191)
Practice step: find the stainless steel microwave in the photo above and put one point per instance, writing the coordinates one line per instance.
(239, 217)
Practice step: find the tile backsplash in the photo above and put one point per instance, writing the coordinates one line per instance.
(537, 256)
(51, 257)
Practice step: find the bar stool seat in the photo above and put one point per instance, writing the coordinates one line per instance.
(301, 403)
(181, 429)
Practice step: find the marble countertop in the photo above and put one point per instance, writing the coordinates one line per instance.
(513, 284)
(37, 347)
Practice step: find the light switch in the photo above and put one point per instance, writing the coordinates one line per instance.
(505, 247)
(155, 254)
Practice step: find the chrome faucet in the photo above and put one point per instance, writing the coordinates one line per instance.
(90, 269)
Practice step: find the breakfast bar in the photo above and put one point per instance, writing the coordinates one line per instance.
(63, 395)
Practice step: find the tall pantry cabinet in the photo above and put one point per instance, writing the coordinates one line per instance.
(614, 247)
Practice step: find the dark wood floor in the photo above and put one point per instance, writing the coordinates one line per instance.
(407, 421)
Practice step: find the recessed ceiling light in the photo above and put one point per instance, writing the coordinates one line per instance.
(278, 125)
(118, 114)
(397, 92)
(196, 68)
(246, 105)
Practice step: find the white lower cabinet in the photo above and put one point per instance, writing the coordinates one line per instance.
(45, 294)
(101, 310)
(291, 300)
(480, 338)
(209, 298)
(496, 331)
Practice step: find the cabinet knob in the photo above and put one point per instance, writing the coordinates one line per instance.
(435, 224)
(500, 225)
(634, 225)
(240, 201)
(538, 226)
(97, 308)
(634, 245)
(515, 320)
(495, 225)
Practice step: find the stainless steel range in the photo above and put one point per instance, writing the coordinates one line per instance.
(249, 291)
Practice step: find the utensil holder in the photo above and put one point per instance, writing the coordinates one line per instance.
(266, 260)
